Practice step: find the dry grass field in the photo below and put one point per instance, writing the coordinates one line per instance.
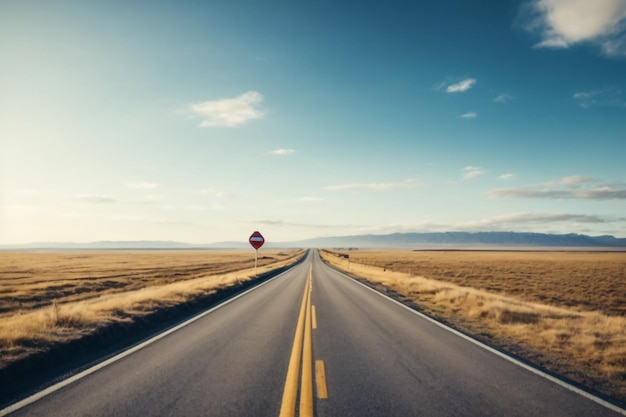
(55, 297)
(565, 311)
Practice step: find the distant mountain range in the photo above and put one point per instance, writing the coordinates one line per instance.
(468, 239)
(461, 240)
(128, 244)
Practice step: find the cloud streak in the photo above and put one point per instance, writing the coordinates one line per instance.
(470, 172)
(229, 112)
(282, 152)
(281, 223)
(536, 218)
(575, 187)
(214, 192)
(378, 186)
(461, 86)
(503, 98)
(600, 98)
(309, 199)
(525, 220)
(470, 115)
(142, 185)
(96, 199)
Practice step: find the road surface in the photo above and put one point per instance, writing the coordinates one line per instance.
(312, 342)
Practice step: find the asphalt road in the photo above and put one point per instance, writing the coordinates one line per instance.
(369, 355)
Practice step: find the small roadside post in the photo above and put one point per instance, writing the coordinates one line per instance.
(256, 240)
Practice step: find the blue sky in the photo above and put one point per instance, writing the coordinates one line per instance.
(204, 121)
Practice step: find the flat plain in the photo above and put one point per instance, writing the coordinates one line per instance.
(55, 297)
(564, 311)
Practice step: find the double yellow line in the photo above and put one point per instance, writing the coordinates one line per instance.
(302, 349)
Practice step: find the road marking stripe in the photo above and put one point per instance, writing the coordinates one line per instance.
(290, 392)
(503, 355)
(314, 317)
(306, 387)
(53, 388)
(320, 379)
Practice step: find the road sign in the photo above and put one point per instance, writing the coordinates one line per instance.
(256, 240)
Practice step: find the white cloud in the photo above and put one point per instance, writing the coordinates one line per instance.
(470, 115)
(96, 199)
(470, 172)
(563, 23)
(142, 184)
(503, 98)
(380, 186)
(461, 86)
(283, 151)
(310, 199)
(507, 176)
(229, 112)
(574, 187)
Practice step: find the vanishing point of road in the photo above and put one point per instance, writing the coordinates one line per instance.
(311, 342)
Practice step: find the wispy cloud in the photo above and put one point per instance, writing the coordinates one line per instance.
(512, 219)
(379, 186)
(610, 97)
(470, 172)
(142, 185)
(229, 112)
(574, 187)
(461, 86)
(308, 199)
(103, 199)
(470, 115)
(563, 23)
(503, 98)
(571, 182)
(281, 223)
(173, 222)
(148, 201)
(214, 192)
(283, 152)
(95, 199)
(507, 176)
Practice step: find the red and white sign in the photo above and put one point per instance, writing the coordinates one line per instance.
(256, 240)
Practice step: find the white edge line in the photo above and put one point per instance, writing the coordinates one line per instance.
(503, 355)
(51, 389)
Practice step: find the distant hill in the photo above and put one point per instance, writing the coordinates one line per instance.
(395, 240)
(138, 244)
(133, 245)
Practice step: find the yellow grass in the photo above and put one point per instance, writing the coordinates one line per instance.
(500, 296)
(57, 297)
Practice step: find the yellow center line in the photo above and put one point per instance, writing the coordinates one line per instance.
(306, 388)
(290, 393)
(320, 379)
(302, 351)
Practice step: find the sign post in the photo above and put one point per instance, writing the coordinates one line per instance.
(256, 240)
